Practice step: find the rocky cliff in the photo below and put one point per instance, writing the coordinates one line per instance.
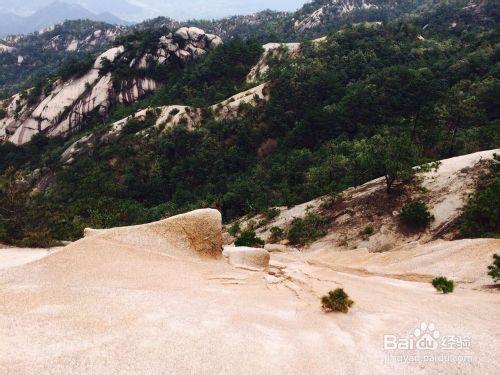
(63, 108)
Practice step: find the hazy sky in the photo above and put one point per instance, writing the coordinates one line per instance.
(137, 10)
(182, 9)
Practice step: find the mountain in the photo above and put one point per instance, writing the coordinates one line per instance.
(54, 13)
(26, 59)
(185, 200)
(39, 54)
(170, 125)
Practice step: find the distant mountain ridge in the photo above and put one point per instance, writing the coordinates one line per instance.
(54, 13)
(26, 58)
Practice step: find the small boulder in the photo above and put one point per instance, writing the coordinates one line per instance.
(215, 42)
(275, 248)
(249, 258)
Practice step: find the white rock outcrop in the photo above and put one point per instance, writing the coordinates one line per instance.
(271, 51)
(68, 104)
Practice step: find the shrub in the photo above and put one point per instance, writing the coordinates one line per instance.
(336, 300)
(416, 215)
(368, 230)
(277, 234)
(234, 229)
(248, 238)
(271, 213)
(3, 113)
(494, 268)
(308, 229)
(481, 217)
(442, 284)
(37, 238)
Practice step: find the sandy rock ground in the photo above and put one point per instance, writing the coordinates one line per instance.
(139, 300)
(13, 257)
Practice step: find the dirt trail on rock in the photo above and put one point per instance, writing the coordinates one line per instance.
(127, 300)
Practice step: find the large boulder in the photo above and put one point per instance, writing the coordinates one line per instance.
(182, 33)
(195, 33)
(194, 233)
(249, 258)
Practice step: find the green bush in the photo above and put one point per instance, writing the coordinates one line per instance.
(249, 238)
(234, 229)
(277, 234)
(442, 284)
(271, 213)
(35, 239)
(494, 269)
(308, 229)
(416, 215)
(336, 300)
(367, 231)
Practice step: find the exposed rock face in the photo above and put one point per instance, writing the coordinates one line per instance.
(6, 49)
(231, 107)
(333, 8)
(82, 146)
(170, 116)
(247, 257)
(271, 51)
(69, 103)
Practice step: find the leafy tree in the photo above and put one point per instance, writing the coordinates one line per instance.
(387, 155)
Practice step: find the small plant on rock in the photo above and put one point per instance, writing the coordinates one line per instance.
(307, 230)
(271, 213)
(234, 229)
(277, 234)
(249, 238)
(336, 301)
(442, 284)
(494, 269)
(367, 231)
(416, 215)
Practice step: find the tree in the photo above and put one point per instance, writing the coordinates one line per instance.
(390, 156)
(459, 111)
